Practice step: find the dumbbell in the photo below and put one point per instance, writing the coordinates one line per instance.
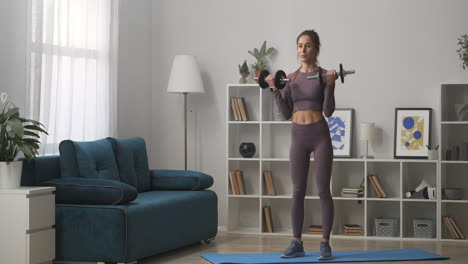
(321, 77)
(280, 79)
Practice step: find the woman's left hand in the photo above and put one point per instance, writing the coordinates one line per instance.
(331, 77)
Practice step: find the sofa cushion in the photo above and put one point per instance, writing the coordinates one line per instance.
(91, 191)
(91, 159)
(132, 160)
(180, 180)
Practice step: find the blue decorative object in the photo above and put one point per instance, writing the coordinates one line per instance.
(341, 126)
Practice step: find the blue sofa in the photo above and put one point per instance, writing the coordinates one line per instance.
(111, 208)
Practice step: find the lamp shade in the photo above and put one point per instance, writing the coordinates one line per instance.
(185, 76)
(366, 131)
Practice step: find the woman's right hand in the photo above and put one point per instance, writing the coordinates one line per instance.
(271, 83)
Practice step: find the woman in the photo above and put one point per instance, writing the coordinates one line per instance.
(304, 100)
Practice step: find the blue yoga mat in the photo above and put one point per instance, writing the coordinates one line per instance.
(311, 257)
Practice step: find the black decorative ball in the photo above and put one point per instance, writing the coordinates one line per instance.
(247, 150)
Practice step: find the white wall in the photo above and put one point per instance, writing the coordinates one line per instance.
(402, 50)
(13, 28)
(134, 71)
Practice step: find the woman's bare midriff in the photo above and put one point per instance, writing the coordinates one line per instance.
(305, 117)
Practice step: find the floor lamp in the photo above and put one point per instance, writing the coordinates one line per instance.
(185, 78)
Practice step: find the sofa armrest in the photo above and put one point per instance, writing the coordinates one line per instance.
(180, 180)
(76, 190)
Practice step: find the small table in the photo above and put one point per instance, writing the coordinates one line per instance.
(27, 225)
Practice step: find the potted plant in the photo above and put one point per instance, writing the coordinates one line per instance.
(260, 56)
(463, 50)
(244, 72)
(17, 134)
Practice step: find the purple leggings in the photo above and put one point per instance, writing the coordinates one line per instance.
(309, 138)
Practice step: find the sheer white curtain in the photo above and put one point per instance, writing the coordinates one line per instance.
(73, 67)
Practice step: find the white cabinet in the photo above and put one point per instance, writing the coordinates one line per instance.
(454, 170)
(272, 140)
(27, 225)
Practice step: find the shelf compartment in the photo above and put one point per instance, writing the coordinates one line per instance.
(348, 212)
(243, 133)
(381, 209)
(459, 213)
(276, 140)
(243, 214)
(268, 106)
(418, 210)
(346, 174)
(388, 174)
(280, 215)
(250, 171)
(452, 94)
(252, 100)
(281, 176)
(453, 136)
(412, 175)
(454, 175)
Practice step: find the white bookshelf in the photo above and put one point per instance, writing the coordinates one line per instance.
(272, 139)
(454, 173)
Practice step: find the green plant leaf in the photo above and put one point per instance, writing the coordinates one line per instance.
(11, 112)
(16, 127)
(270, 51)
(263, 49)
(29, 133)
(27, 151)
(37, 128)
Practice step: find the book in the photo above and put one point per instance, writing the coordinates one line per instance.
(352, 227)
(379, 186)
(451, 229)
(457, 229)
(240, 182)
(268, 220)
(239, 106)
(244, 109)
(234, 109)
(236, 104)
(374, 186)
(270, 187)
(351, 195)
(233, 181)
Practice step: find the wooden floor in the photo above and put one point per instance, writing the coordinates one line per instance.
(242, 244)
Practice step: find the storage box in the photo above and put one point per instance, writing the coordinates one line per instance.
(387, 227)
(424, 228)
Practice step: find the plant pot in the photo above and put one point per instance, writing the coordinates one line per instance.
(257, 73)
(243, 80)
(10, 174)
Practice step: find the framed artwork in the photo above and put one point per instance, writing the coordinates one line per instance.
(341, 131)
(412, 133)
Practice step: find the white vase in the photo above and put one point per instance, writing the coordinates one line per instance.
(10, 174)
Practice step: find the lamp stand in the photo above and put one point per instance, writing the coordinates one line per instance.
(367, 152)
(185, 128)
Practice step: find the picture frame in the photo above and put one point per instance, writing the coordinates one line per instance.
(341, 125)
(412, 133)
